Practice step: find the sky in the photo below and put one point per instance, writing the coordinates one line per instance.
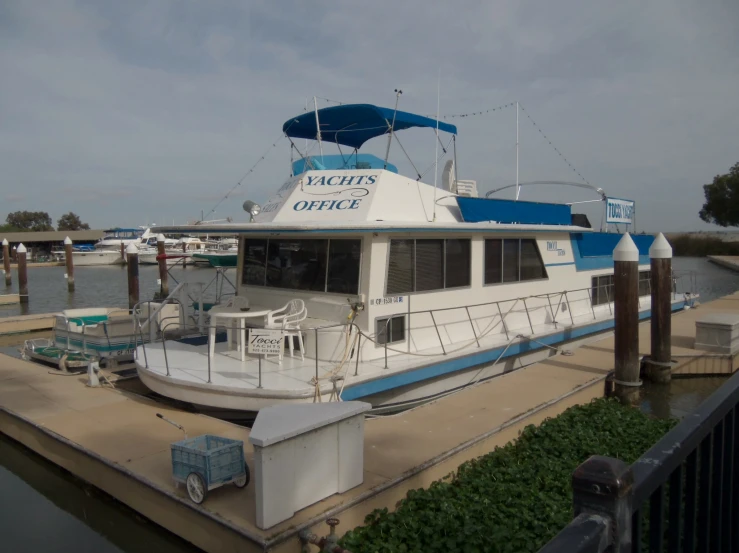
(132, 113)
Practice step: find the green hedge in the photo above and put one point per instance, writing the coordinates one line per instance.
(516, 498)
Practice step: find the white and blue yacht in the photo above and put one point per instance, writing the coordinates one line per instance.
(411, 291)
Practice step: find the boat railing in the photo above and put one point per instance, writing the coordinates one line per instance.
(561, 308)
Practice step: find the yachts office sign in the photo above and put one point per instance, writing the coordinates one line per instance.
(619, 211)
(322, 195)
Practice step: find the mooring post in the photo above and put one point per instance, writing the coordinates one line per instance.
(68, 258)
(6, 261)
(658, 366)
(603, 486)
(132, 255)
(22, 273)
(123, 252)
(164, 286)
(626, 308)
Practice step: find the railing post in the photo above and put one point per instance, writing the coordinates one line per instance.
(604, 486)
(569, 307)
(259, 356)
(626, 323)
(658, 366)
(359, 343)
(315, 336)
(551, 310)
(433, 319)
(472, 325)
(526, 308)
(502, 321)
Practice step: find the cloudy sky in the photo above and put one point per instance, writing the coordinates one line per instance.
(134, 112)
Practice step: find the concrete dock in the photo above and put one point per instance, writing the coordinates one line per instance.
(726, 261)
(8, 299)
(26, 323)
(112, 439)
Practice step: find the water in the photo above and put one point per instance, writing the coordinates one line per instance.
(105, 286)
(45, 509)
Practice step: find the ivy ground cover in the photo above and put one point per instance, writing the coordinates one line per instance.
(516, 498)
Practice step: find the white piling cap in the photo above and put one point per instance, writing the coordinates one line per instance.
(21, 248)
(626, 250)
(5, 242)
(160, 238)
(131, 248)
(67, 241)
(660, 248)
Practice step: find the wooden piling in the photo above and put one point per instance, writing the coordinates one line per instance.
(22, 273)
(6, 262)
(626, 313)
(163, 275)
(123, 252)
(132, 258)
(658, 366)
(69, 260)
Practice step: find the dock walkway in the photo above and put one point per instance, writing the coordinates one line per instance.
(112, 439)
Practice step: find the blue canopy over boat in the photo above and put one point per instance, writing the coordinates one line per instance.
(354, 124)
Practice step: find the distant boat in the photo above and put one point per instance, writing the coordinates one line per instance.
(216, 258)
(107, 250)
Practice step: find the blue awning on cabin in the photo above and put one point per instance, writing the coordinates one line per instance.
(478, 210)
(337, 162)
(354, 124)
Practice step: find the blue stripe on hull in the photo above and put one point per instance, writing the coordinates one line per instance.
(428, 372)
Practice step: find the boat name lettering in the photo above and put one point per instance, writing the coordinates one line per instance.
(264, 341)
(326, 205)
(619, 211)
(338, 180)
(552, 247)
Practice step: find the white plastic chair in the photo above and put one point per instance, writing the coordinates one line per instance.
(288, 319)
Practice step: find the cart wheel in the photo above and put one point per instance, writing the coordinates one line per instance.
(242, 481)
(196, 488)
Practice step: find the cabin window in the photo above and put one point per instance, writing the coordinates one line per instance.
(457, 263)
(513, 260)
(390, 330)
(343, 266)
(602, 287)
(255, 258)
(427, 264)
(300, 264)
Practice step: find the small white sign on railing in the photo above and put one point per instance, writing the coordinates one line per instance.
(263, 341)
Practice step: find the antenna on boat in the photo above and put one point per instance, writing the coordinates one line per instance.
(318, 127)
(518, 188)
(398, 92)
(436, 143)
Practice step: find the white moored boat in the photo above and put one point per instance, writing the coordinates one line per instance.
(411, 292)
(108, 250)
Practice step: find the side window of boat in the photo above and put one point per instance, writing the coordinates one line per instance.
(645, 283)
(390, 330)
(255, 258)
(428, 264)
(513, 260)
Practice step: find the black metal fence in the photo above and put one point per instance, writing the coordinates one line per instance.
(680, 496)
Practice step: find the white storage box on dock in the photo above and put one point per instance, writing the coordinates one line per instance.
(718, 333)
(305, 453)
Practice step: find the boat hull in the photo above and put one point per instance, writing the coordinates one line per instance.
(86, 259)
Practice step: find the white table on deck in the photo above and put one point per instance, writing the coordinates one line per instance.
(231, 314)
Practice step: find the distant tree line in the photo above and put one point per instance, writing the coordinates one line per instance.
(36, 221)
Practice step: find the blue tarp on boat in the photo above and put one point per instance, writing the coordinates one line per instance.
(354, 124)
(477, 210)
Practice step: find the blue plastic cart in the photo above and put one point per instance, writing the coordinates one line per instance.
(207, 462)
